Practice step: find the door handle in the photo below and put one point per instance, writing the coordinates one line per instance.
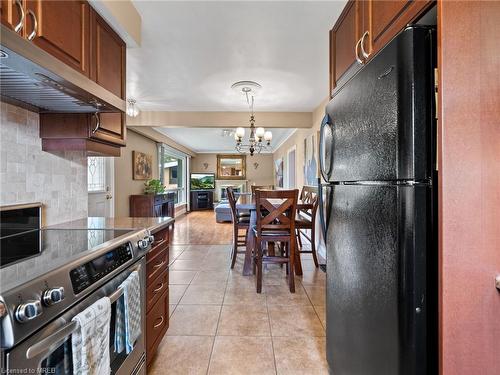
(362, 44)
(19, 26)
(360, 62)
(97, 122)
(159, 324)
(35, 25)
(324, 174)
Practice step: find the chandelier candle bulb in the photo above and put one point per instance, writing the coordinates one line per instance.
(268, 136)
(259, 133)
(240, 133)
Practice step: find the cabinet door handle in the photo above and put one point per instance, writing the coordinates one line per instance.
(35, 25)
(159, 264)
(97, 122)
(356, 53)
(19, 26)
(159, 324)
(158, 289)
(363, 52)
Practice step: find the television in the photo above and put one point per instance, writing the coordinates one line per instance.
(202, 181)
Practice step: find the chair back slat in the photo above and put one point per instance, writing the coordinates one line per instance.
(232, 203)
(309, 196)
(276, 210)
(261, 187)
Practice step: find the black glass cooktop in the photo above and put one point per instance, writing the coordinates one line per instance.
(51, 244)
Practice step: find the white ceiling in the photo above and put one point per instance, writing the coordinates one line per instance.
(192, 52)
(211, 139)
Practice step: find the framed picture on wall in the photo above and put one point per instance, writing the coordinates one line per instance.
(142, 166)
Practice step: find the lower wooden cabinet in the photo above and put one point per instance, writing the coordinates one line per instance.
(157, 292)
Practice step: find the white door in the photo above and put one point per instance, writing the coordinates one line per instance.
(290, 168)
(100, 186)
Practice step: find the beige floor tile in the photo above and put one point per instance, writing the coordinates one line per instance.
(171, 309)
(244, 320)
(243, 296)
(281, 295)
(313, 277)
(190, 255)
(317, 294)
(321, 311)
(175, 293)
(210, 277)
(308, 265)
(241, 282)
(294, 321)
(214, 265)
(197, 320)
(233, 355)
(182, 355)
(210, 294)
(186, 265)
(300, 355)
(181, 277)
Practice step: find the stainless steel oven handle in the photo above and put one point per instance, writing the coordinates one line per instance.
(57, 338)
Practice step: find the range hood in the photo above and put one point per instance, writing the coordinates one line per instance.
(33, 79)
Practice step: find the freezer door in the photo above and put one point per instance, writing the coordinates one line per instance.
(382, 119)
(377, 246)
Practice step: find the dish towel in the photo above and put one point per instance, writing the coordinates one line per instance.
(128, 314)
(90, 341)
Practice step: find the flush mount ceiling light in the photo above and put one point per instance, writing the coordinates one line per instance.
(249, 89)
(132, 109)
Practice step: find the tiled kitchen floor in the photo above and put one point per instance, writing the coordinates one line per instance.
(220, 325)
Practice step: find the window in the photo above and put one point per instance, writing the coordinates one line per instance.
(173, 168)
(96, 180)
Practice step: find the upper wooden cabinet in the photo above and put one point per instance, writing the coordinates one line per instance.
(108, 56)
(385, 19)
(343, 38)
(13, 15)
(61, 28)
(363, 28)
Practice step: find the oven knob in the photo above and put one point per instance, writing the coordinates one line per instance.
(151, 239)
(143, 244)
(28, 310)
(53, 295)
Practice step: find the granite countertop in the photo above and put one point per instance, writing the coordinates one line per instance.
(154, 224)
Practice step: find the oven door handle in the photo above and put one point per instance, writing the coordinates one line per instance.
(53, 341)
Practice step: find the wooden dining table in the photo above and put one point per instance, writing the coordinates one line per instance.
(247, 202)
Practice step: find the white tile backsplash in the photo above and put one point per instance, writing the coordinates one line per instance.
(28, 174)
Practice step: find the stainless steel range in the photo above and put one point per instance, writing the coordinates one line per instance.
(49, 276)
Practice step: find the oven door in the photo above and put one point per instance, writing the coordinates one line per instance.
(49, 351)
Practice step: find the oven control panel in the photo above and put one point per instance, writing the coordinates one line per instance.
(89, 273)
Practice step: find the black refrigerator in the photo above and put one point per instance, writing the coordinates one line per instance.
(378, 211)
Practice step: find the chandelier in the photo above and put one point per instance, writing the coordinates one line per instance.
(260, 139)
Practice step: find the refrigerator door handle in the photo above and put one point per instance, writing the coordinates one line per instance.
(324, 221)
(325, 174)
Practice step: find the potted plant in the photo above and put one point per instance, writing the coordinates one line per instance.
(153, 186)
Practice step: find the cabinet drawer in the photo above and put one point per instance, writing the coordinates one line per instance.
(156, 266)
(158, 246)
(156, 325)
(156, 289)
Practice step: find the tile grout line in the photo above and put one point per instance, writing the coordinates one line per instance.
(217, 328)
(272, 338)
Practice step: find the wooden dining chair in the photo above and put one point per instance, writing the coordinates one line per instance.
(306, 220)
(240, 222)
(261, 187)
(275, 223)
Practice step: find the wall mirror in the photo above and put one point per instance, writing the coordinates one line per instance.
(231, 167)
